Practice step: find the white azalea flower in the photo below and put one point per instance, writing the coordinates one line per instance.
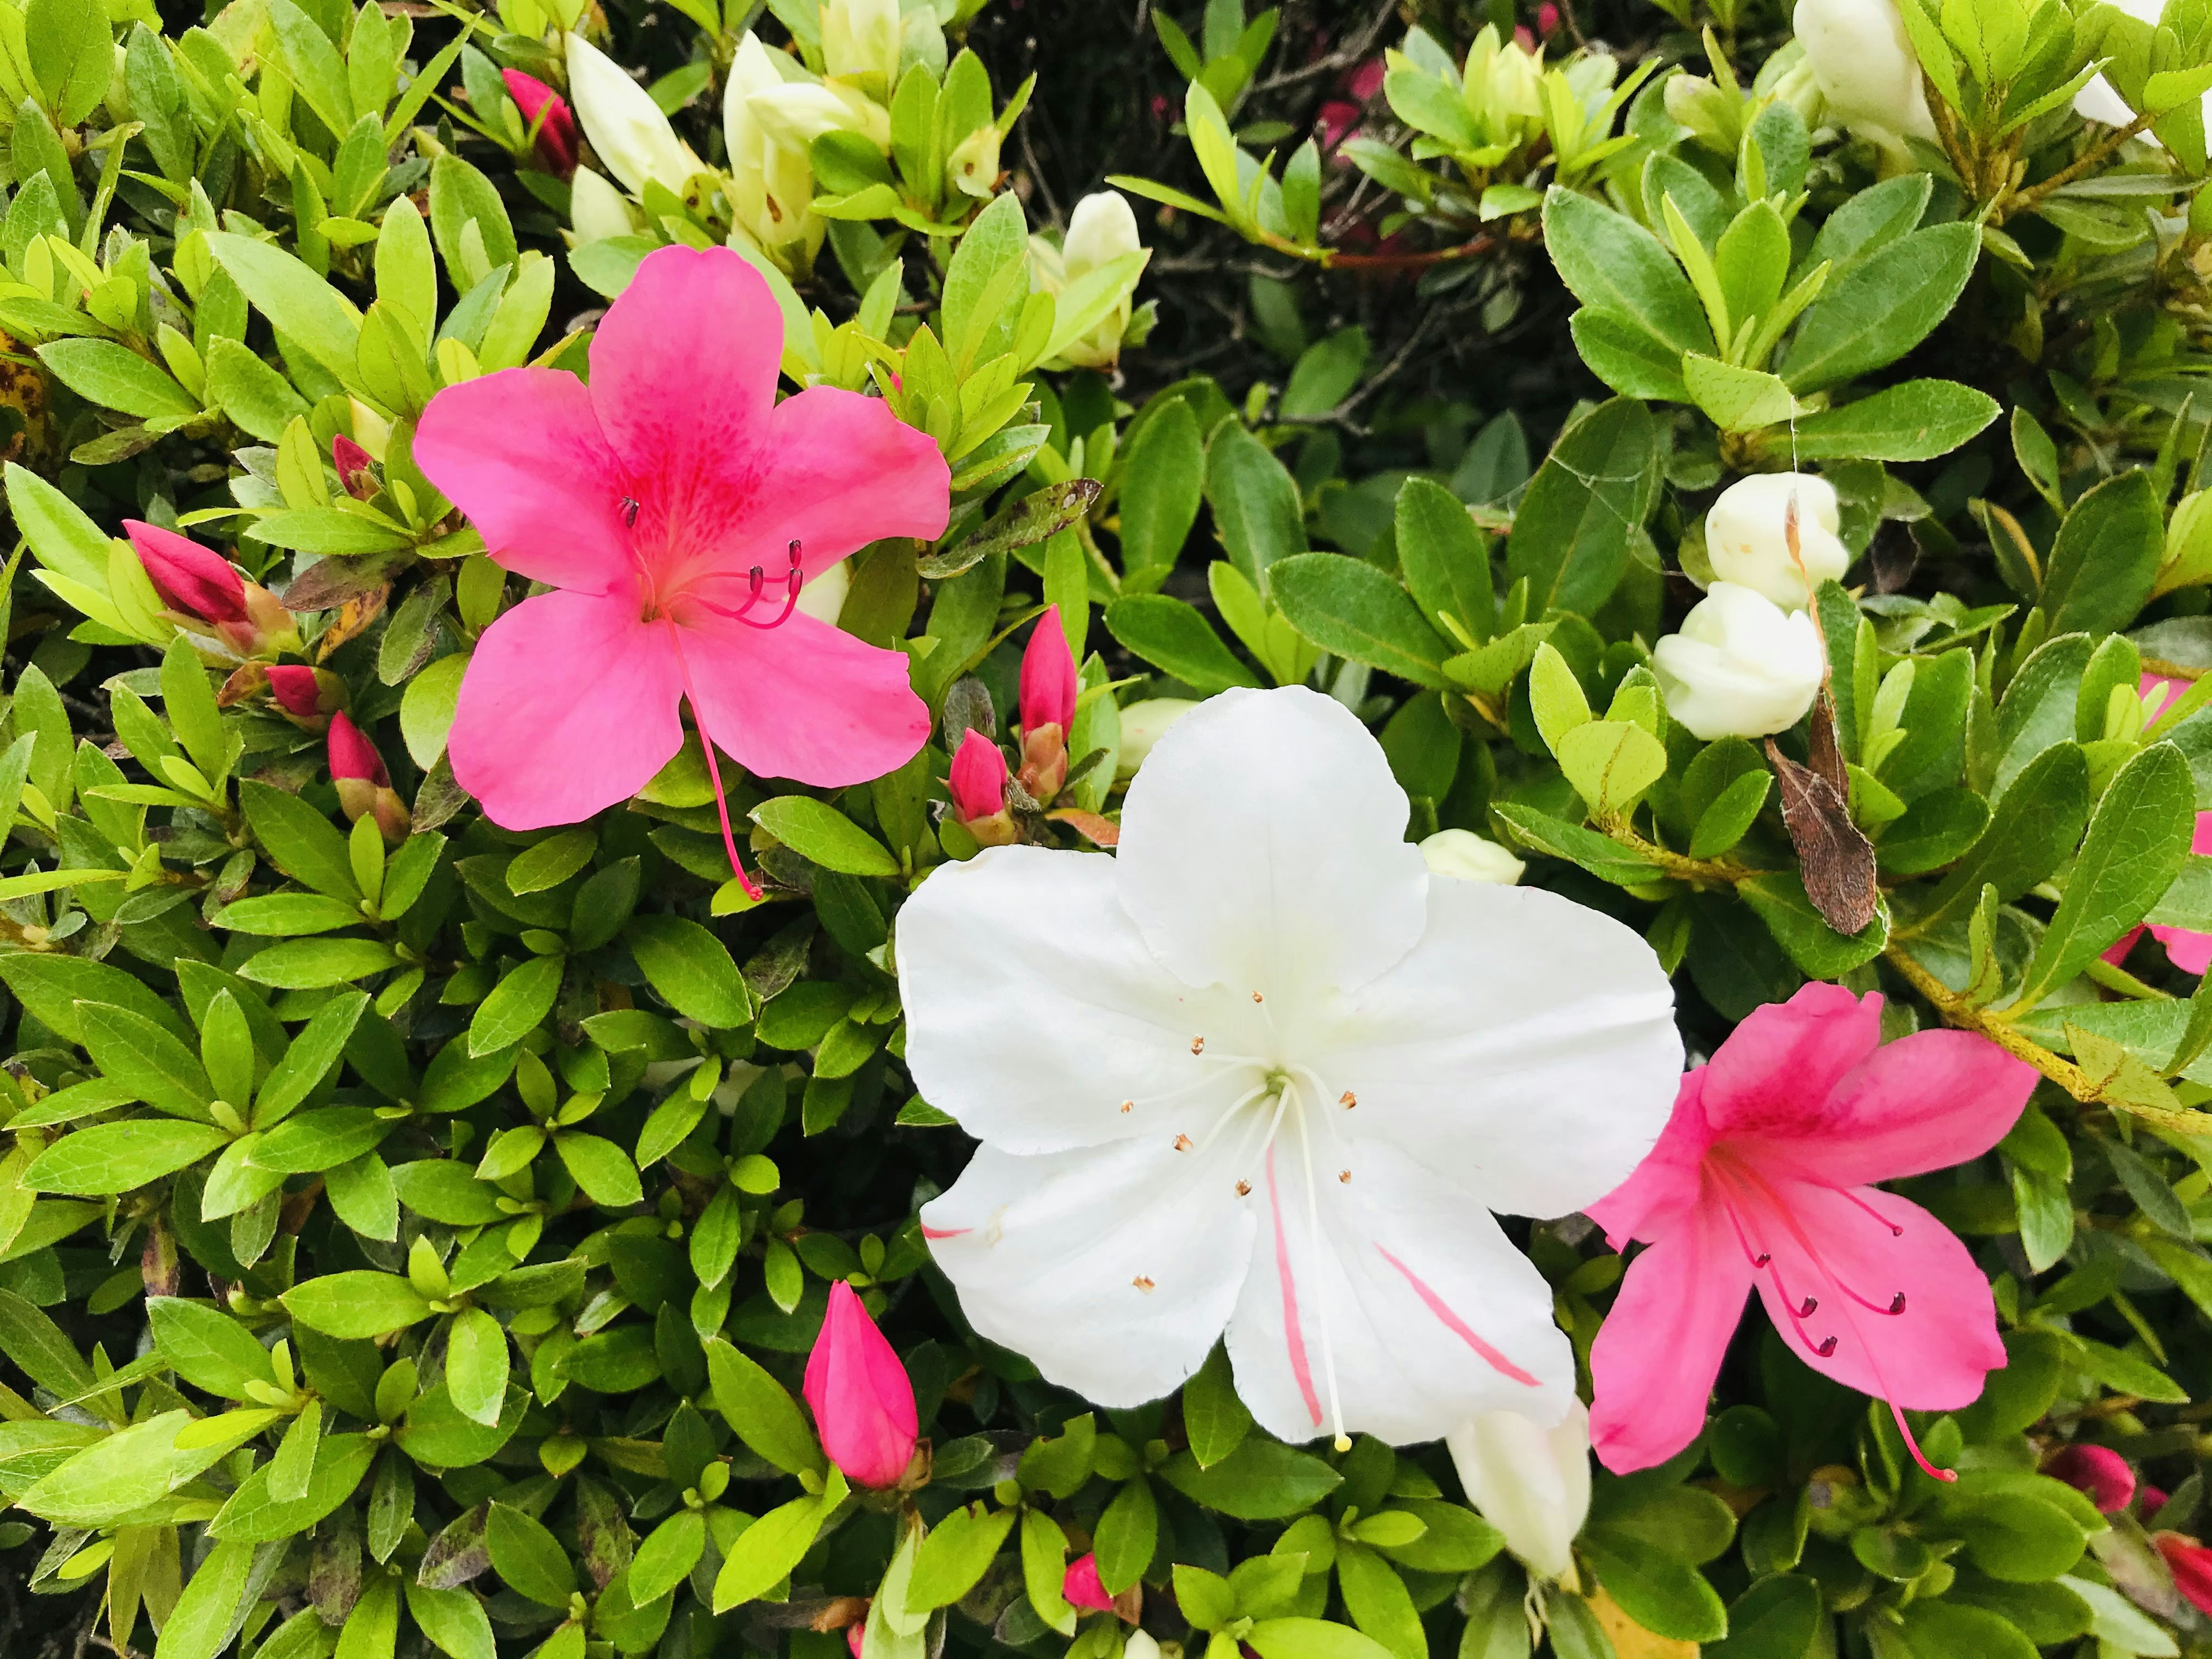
(1747, 539)
(1259, 1071)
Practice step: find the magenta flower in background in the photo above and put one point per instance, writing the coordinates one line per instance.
(2192, 952)
(2106, 1478)
(556, 133)
(862, 1402)
(675, 507)
(1762, 1179)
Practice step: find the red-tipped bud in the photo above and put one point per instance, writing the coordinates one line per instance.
(557, 131)
(978, 785)
(356, 468)
(1049, 682)
(862, 1401)
(364, 786)
(856, 1636)
(194, 580)
(2100, 1472)
(306, 697)
(2190, 1564)
(1082, 1587)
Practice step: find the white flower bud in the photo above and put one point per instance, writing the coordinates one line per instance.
(1140, 1645)
(860, 39)
(1530, 1483)
(1741, 665)
(771, 183)
(822, 597)
(1143, 725)
(973, 166)
(597, 209)
(627, 130)
(1470, 857)
(1747, 543)
(797, 112)
(1100, 230)
(1866, 69)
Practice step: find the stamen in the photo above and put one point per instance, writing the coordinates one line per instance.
(1128, 1105)
(1757, 1258)
(1141, 1282)
(1182, 1142)
(1197, 1045)
(1347, 1100)
(714, 771)
(1947, 1476)
(1852, 1198)
(1321, 1294)
(1343, 1176)
(756, 583)
(1244, 1189)
(630, 512)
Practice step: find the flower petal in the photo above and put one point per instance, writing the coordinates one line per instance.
(1925, 1102)
(1113, 1268)
(1527, 1044)
(520, 452)
(1656, 1355)
(1077, 1018)
(1429, 1313)
(1931, 1356)
(803, 699)
(1774, 1074)
(1263, 849)
(684, 370)
(1669, 1182)
(568, 707)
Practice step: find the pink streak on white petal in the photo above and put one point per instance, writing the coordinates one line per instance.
(1293, 1338)
(1458, 1326)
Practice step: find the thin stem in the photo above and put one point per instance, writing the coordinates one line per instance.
(1320, 1291)
(714, 770)
(2103, 149)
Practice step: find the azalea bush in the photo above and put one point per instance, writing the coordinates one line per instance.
(871, 828)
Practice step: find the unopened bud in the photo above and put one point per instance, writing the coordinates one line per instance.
(797, 112)
(205, 594)
(596, 209)
(1143, 725)
(627, 128)
(978, 785)
(860, 41)
(556, 123)
(364, 786)
(357, 470)
(306, 697)
(1466, 856)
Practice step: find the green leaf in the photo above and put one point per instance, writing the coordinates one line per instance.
(667, 1557)
(459, 196)
(136, 1055)
(311, 62)
(1255, 503)
(528, 1557)
(454, 1621)
(1737, 399)
(1311, 1638)
(2038, 822)
(1779, 900)
(1175, 638)
(1127, 1535)
(311, 1057)
(2106, 558)
(1912, 421)
(1262, 1479)
(207, 1347)
(2136, 844)
(1945, 1630)
(764, 1413)
(954, 1557)
(1163, 480)
(1878, 311)
(822, 835)
(766, 1552)
(517, 1004)
(1348, 606)
(476, 1365)
(201, 1624)
(254, 1515)
(52, 986)
(1775, 1618)
(356, 1303)
(120, 1157)
(300, 839)
(1607, 259)
(62, 538)
(1571, 537)
(602, 1169)
(127, 1470)
(300, 305)
(1215, 1417)
(690, 968)
(1654, 1588)
(316, 964)
(1375, 1598)
(115, 377)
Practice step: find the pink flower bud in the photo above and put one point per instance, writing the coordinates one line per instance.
(2100, 1473)
(1082, 1587)
(2190, 1564)
(353, 756)
(556, 133)
(2151, 1499)
(364, 786)
(196, 581)
(1049, 684)
(356, 468)
(862, 1402)
(856, 1636)
(978, 778)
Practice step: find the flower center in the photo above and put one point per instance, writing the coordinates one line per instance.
(662, 598)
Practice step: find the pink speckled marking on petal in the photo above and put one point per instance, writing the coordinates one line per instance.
(1458, 1326)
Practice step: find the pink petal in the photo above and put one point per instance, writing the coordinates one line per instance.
(1656, 1359)
(835, 471)
(1931, 1356)
(2117, 951)
(2169, 692)
(1925, 1102)
(803, 701)
(1668, 1181)
(684, 370)
(568, 707)
(1775, 1070)
(1081, 1587)
(520, 452)
(2191, 953)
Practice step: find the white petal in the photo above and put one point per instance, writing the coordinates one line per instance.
(1035, 1011)
(1525, 1049)
(1431, 1314)
(1112, 1268)
(1263, 848)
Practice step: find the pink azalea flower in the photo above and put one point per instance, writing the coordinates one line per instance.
(1762, 1179)
(862, 1402)
(675, 509)
(2190, 952)
(556, 133)
(1049, 688)
(1083, 1588)
(2106, 1477)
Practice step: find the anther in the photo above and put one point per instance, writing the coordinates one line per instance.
(1761, 1259)
(630, 512)
(1812, 1305)
(1244, 1189)
(1128, 1105)
(1826, 1348)
(1347, 1100)
(1145, 1283)
(1897, 1303)
(1182, 1142)
(1344, 1175)
(1197, 1045)
(1256, 997)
